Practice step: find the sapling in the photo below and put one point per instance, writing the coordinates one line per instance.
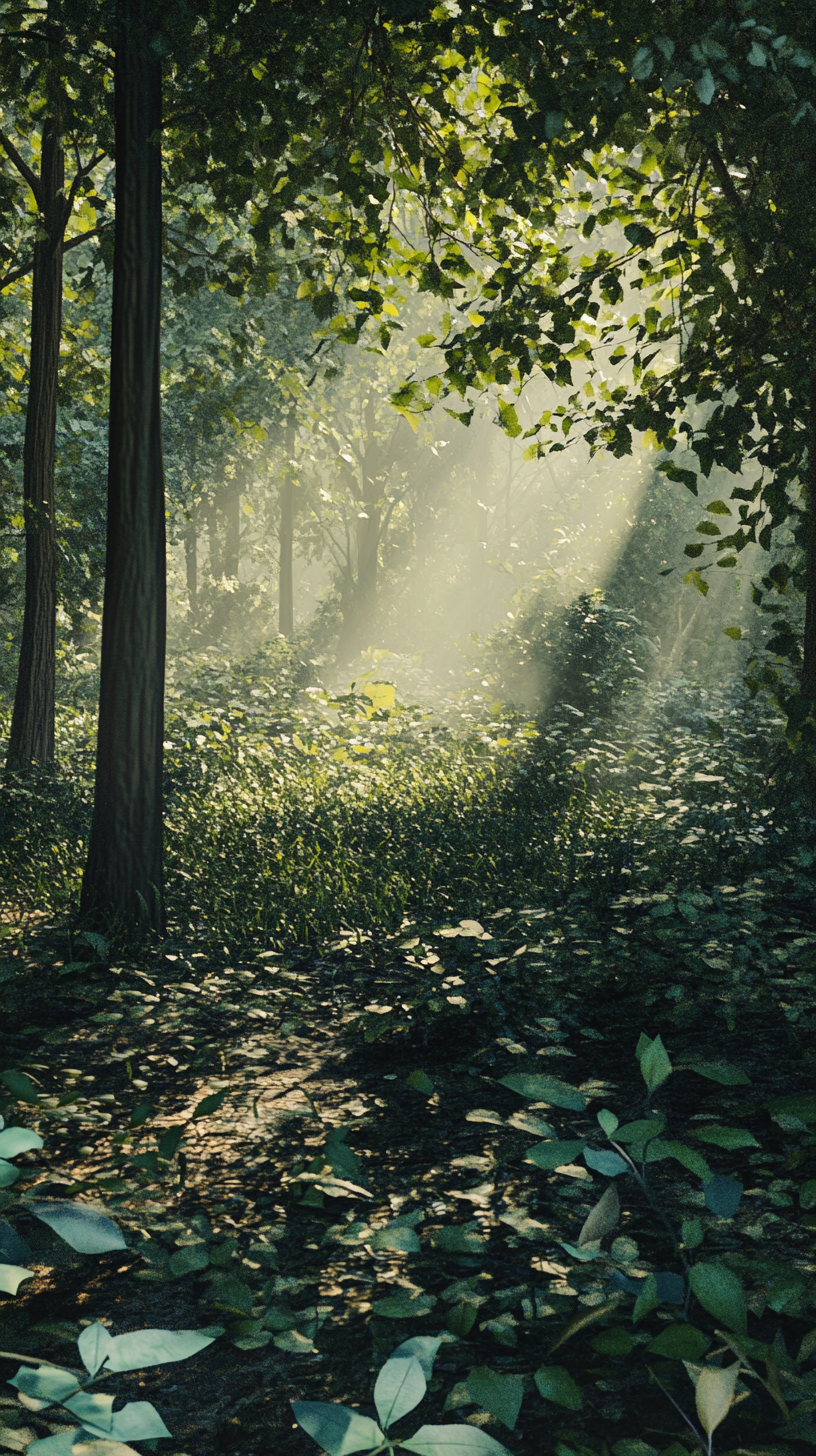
(41, 1385)
(400, 1386)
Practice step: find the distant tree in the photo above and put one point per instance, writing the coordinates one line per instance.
(50, 105)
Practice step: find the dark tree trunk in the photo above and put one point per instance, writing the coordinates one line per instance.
(286, 536)
(809, 644)
(32, 723)
(123, 876)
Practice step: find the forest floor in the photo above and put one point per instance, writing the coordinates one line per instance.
(403, 1039)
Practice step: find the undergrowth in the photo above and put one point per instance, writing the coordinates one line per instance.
(291, 812)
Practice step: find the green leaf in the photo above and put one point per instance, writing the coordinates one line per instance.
(606, 1162)
(714, 1395)
(690, 1159)
(555, 1383)
(586, 1317)
(8, 1174)
(20, 1086)
(647, 1300)
(400, 1386)
(44, 1383)
(139, 1421)
(453, 1441)
(420, 1082)
(61, 1445)
(544, 1089)
(14, 1140)
(601, 1219)
(462, 1318)
(723, 1195)
(94, 1344)
(554, 1154)
(641, 1131)
(12, 1276)
(403, 1240)
(705, 87)
(501, 1395)
(693, 1233)
(142, 1114)
(723, 1072)
(655, 1064)
(210, 1104)
(93, 1409)
(723, 1137)
(509, 420)
(734, 632)
(624, 1250)
(468, 1240)
(680, 1342)
(189, 1260)
(796, 1104)
(169, 1142)
(81, 1227)
(720, 1293)
(613, 1342)
(642, 63)
(404, 1304)
(608, 1121)
(335, 1429)
(424, 1347)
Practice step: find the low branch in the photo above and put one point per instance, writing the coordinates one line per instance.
(22, 167)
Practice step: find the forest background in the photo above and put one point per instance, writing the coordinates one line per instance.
(463, 357)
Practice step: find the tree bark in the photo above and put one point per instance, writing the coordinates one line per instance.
(286, 536)
(191, 567)
(32, 723)
(808, 682)
(123, 876)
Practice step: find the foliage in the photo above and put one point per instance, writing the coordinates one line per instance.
(83, 1228)
(48, 1386)
(400, 1386)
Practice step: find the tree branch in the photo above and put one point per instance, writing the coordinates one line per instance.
(17, 273)
(22, 167)
(104, 227)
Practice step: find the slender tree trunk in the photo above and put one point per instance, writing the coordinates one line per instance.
(191, 567)
(231, 507)
(123, 876)
(216, 570)
(809, 645)
(286, 536)
(32, 724)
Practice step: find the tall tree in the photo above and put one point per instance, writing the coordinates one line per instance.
(39, 44)
(286, 537)
(123, 876)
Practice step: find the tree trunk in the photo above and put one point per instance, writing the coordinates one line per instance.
(231, 506)
(123, 876)
(286, 536)
(191, 567)
(32, 724)
(808, 682)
